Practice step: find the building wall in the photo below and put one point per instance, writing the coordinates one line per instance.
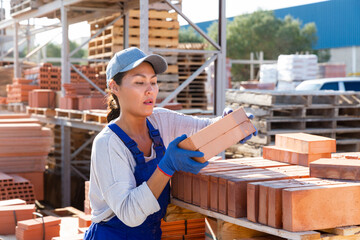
(345, 55)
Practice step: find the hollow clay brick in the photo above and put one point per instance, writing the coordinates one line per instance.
(305, 143)
(320, 207)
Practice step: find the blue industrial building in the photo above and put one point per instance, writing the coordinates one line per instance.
(338, 27)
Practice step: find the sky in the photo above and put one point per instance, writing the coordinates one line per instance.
(194, 10)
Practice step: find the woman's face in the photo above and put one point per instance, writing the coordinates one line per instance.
(138, 91)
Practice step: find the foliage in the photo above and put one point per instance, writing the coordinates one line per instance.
(262, 31)
(189, 35)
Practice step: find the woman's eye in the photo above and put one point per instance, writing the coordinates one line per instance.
(139, 83)
(154, 83)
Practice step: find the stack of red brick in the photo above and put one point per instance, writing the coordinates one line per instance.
(193, 229)
(12, 211)
(24, 147)
(221, 186)
(37, 228)
(78, 96)
(276, 193)
(19, 90)
(42, 98)
(46, 76)
(13, 186)
(299, 148)
(331, 70)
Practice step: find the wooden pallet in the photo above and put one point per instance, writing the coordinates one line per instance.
(45, 112)
(352, 232)
(286, 99)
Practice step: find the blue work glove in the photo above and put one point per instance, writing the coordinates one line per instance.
(250, 116)
(178, 159)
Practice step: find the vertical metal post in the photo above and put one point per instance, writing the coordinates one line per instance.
(220, 64)
(144, 25)
(65, 131)
(2, 31)
(252, 66)
(65, 59)
(65, 166)
(126, 30)
(354, 60)
(28, 42)
(17, 70)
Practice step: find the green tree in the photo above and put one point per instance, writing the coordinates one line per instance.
(189, 35)
(262, 31)
(54, 50)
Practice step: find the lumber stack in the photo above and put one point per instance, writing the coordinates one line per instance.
(299, 148)
(18, 7)
(328, 114)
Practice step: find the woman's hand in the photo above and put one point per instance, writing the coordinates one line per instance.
(250, 116)
(178, 159)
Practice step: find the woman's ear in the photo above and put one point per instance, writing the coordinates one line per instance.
(113, 86)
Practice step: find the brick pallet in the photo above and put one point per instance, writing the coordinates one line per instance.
(334, 115)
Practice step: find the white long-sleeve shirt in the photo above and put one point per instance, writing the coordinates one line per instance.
(113, 188)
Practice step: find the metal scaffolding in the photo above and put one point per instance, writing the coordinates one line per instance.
(74, 11)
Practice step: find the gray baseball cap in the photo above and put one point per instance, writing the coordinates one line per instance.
(130, 58)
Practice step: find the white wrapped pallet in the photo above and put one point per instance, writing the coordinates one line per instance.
(268, 73)
(297, 67)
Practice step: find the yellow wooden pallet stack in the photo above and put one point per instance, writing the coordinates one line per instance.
(163, 33)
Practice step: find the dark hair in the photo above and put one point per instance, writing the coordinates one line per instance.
(113, 102)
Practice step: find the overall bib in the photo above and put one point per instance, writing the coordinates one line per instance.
(150, 228)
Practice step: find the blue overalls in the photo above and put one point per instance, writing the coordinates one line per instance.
(150, 228)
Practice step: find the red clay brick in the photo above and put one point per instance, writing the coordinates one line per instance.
(305, 143)
(218, 136)
(347, 169)
(311, 208)
(84, 220)
(288, 156)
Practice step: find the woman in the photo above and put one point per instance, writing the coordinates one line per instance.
(134, 157)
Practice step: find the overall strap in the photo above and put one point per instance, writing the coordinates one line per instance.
(129, 143)
(157, 140)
